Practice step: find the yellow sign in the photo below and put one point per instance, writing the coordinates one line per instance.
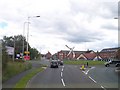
(27, 52)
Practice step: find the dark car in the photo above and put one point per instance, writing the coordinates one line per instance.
(60, 62)
(117, 65)
(107, 64)
(54, 64)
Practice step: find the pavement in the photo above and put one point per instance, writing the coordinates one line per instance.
(12, 81)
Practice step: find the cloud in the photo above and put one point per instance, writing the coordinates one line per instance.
(109, 27)
(83, 37)
(62, 21)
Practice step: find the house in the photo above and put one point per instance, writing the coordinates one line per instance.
(48, 55)
(109, 53)
(78, 55)
(62, 54)
(89, 55)
(55, 56)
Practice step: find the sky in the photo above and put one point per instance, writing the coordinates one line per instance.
(83, 24)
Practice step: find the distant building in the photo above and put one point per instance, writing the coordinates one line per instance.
(109, 53)
(48, 55)
(79, 55)
(105, 54)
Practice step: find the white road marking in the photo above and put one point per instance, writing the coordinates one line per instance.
(92, 67)
(63, 82)
(62, 69)
(87, 71)
(92, 79)
(83, 71)
(61, 74)
(44, 67)
(103, 87)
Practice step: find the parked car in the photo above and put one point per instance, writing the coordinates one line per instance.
(60, 62)
(54, 64)
(107, 64)
(117, 65)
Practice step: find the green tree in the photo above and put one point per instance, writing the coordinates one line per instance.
(18, 41)
(5, 57)
(34, 53)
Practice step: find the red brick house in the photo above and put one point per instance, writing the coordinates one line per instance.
(62, 54)
(108, 53)
(105, 54)
(48, 55)
(86, 55)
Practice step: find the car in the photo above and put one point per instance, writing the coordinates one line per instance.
(54, 64)
(117, 65)
(60, 62)
(107, 64)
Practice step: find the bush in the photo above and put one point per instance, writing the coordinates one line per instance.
(13, 68)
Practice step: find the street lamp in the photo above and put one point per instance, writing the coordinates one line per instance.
(23, 39)
(14, 49)
(28, 31)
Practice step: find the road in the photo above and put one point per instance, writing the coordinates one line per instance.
(67, 76)
(105, 76)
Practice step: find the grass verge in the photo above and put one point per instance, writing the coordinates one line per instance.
(23, 82)
(14, 68)
(80, 62)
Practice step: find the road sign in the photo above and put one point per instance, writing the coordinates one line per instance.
(26, 57)
(27, 52)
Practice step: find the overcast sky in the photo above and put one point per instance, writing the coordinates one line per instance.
(83, 24)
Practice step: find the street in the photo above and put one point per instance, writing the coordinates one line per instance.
(65, 76)
(70, 76)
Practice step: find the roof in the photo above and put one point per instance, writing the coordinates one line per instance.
(67, 51)
(110, 49)
(90, 55)
(48, 53)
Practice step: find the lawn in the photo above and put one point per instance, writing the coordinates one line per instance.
(81, 62)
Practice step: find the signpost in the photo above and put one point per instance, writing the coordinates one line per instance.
(27, 52)
(27, 57)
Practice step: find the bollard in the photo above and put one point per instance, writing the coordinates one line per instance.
(83, 68)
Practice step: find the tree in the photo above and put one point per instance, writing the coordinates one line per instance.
(4, 56)
(18, 41)
(34, 53)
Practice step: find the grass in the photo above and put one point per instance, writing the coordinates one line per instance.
(23, 82)
(14, 68)
(80, 62)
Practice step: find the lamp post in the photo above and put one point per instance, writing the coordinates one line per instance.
(14, 49)
(23, 39)
(28, 31)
